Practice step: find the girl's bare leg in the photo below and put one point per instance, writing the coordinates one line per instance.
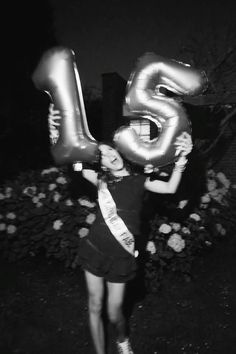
(115, 300)
(95, 287)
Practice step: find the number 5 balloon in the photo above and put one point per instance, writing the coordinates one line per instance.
(143, 99)
(57, 75)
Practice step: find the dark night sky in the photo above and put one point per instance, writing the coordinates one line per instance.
(109, 35)
(106, 36)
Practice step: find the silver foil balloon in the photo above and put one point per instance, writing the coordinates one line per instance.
(144, 100)
(57, 75)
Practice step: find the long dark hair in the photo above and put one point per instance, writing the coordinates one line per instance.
(106, 175)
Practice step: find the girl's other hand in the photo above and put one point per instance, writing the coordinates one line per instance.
(183, 144)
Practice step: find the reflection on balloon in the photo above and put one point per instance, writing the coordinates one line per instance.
(144, 100)
(57, 75)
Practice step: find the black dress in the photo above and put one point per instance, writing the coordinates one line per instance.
(100, 253)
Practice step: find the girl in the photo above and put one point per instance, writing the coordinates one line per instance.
(108, 254)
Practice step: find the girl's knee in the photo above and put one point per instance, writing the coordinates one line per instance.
(114, 312)
(95, 304)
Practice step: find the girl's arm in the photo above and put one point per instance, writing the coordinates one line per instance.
(90, 175)
(170, 186)
(87, 173)
(183, 148)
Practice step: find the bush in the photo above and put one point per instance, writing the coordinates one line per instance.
(173, 245)
(38, 214)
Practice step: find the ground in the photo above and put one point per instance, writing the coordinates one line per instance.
(44, 310)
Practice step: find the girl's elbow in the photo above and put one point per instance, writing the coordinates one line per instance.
(171, 190)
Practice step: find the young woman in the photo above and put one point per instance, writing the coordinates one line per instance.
(108, 254)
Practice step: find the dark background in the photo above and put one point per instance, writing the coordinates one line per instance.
(107, 37)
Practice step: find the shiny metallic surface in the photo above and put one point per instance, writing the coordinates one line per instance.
(57, 75)
(144, 100)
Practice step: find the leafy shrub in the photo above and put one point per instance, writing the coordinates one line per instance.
(174, 245)
(38, 214)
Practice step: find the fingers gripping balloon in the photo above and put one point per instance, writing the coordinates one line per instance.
(57, 75)
(144, 100)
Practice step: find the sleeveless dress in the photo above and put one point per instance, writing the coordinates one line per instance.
(99, 252)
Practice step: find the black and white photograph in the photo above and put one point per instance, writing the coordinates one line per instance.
(118, 177)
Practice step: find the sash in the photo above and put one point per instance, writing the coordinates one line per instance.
(116, 225)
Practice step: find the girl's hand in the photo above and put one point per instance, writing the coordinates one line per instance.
(53, 123)
(149, 168)
(183, 144)
(53, 117)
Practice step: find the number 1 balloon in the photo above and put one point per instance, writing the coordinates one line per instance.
(57, 75)
(144, 100)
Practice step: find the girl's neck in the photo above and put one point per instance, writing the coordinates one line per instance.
(120, 173)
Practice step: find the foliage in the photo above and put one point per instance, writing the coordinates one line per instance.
(173, 245)
(214, 51)
(40, 216)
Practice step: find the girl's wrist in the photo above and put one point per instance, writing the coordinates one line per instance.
(180, 164)
(182, 160)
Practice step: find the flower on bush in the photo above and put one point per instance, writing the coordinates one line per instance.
(56, 197)
(61, 180)
(52, 186)
(218, 187)
(57, 224)
(186, 230)
(165, 228)
(30, 191)
(90, 218)
(2, 226)
(11, 216)
(182, 203)
(35, 200)
(49, 170)
(151, 247)
(69, 202)
(11, 229)
(195, 217)
(175, 226)
(205, 199)
(83, 232)
(86, 203)
(176, 242)
(220, 229)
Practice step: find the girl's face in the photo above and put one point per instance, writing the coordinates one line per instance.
(110, 158)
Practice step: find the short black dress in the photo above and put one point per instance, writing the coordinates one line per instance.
(100, 253)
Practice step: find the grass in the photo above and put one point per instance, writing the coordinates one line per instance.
(44, 309)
